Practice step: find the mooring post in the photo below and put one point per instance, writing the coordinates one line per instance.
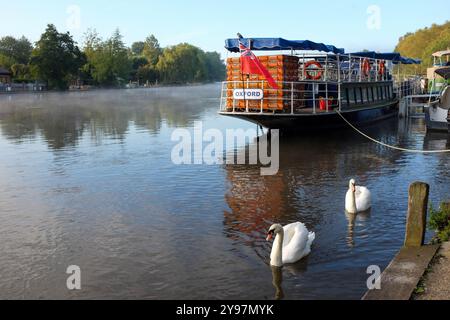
(417, 214)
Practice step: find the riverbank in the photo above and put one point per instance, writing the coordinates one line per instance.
(93, 88)
(435, 285)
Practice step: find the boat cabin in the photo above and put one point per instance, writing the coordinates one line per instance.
(312, 78)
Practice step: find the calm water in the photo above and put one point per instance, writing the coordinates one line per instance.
(86, 179)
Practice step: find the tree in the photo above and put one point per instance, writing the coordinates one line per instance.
(137, 48)
(108, 60)
(6, 61)
(21, 71)
(423, 43)
(186, 63)
(17, 49)
(56, 58)
(215, 67)
(152, 50)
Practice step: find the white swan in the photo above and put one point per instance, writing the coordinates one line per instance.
(358, 199)
(292, 243)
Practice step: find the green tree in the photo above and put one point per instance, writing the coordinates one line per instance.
(108, 60)
(17, 49)
(137, 48)
(56, 58)
(183, 63)
(6, 61)
(215, 67)
(152, 50)
(21, 71)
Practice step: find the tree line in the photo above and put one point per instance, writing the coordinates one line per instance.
(57, 60)
(423, 43)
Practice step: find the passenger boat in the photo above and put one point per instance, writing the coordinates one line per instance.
(318, 84)
(437, 112)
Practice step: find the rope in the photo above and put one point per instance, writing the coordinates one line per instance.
(389, 146)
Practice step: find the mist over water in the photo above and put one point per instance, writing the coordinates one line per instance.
(87, 179)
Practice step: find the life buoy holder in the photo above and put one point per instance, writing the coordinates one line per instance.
(318, 70)
(381, 68)
(366, 67)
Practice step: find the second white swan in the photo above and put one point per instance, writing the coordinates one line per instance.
(358, 199)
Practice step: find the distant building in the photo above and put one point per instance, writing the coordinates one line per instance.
(5, 76)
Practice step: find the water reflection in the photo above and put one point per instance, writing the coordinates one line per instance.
(63, 118)
(277, 277)
(353, 219)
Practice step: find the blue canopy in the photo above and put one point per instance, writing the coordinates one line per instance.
(380, 56)
(395, 57)
(272, 44)
(404, 60)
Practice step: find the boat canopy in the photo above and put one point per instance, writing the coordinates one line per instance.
(380, 56)
(441, 54)
(395, 57)
(404, 60)
(273, 44)
(444, 72)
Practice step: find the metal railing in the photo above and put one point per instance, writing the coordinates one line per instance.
(291, 98)
(347, 68)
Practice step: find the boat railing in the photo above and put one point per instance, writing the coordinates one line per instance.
(344, 68)
(302, 97)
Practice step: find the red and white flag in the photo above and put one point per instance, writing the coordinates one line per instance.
(250, 64)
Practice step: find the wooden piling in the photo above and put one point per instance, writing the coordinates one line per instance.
(417, 214)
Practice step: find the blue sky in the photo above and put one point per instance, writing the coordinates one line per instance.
(207, 23)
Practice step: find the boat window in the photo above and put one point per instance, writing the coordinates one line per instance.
(351, 95)
(358, 95)
(364, 95)
(370, 94)
(347, 97)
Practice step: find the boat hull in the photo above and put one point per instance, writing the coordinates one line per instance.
(436, 119)
(320, 122)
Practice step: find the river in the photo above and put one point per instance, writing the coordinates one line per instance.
(86, 179)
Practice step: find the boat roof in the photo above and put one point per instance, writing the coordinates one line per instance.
(274, 44)
(441, 54)
(444, 72)
(395, 57)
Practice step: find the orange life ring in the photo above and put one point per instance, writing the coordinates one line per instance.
(382, 67)
(319, 70)
(366, 67)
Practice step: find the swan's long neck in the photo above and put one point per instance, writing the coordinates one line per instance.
(276, 258)
(353, 208)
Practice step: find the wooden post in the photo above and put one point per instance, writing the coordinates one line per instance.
(417, 214)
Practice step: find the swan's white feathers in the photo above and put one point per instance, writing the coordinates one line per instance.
(297, 242)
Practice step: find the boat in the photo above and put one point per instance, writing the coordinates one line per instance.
(437, 111)
(322, 85)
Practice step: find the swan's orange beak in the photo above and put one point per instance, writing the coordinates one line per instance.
(269, 236)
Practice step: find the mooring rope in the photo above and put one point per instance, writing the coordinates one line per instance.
(387, 145)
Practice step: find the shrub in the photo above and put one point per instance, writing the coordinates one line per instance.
(440, 222)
